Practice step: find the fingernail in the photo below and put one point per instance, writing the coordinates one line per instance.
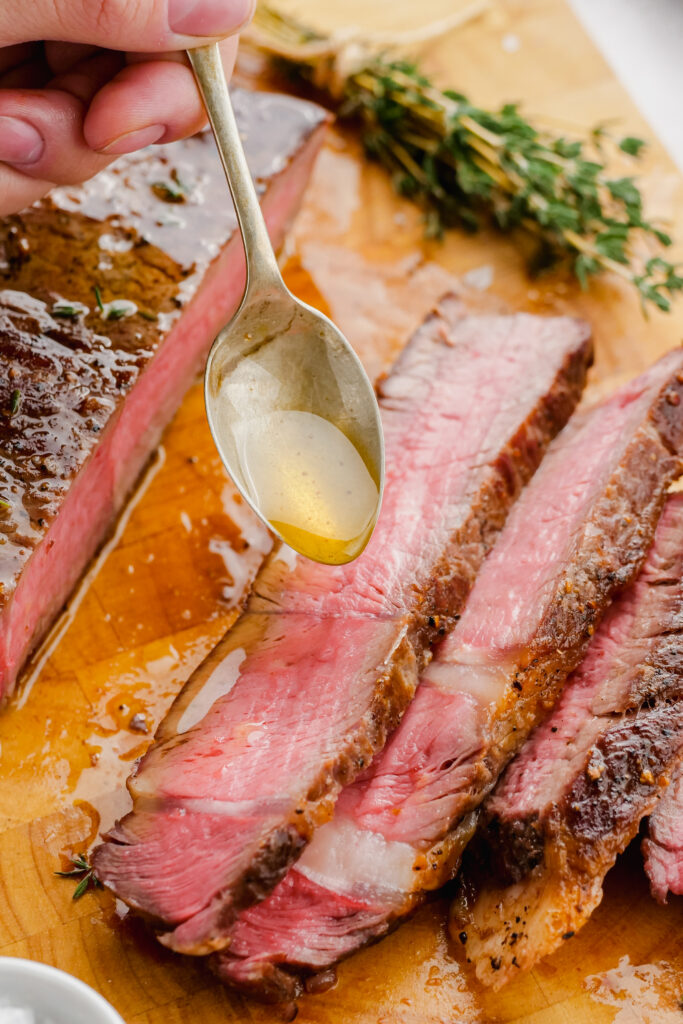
(131, 141)
(208, 17)
(20, 142)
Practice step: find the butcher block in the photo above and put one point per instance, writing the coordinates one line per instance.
(169, 584)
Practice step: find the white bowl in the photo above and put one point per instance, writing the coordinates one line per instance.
(52, 994)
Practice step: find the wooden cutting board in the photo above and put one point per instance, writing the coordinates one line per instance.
(166, 590)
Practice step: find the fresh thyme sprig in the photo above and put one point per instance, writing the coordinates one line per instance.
(465, 165)
(82, 870)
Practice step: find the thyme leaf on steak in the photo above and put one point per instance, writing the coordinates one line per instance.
(117, 309)
(115, 313)
(466, 165)
(82, 870)
(69, 310)
(15, 402)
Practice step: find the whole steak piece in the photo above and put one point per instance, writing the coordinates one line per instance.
(110, 297)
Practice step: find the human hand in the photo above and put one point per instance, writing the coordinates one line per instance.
(119, 82)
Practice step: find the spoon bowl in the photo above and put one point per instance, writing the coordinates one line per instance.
(295, 420)
(291, 410)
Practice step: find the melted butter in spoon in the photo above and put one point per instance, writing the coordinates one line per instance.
(309, 481)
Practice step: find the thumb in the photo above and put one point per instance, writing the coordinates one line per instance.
(140, 25)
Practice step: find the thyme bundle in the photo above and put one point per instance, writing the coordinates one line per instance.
(466, 166)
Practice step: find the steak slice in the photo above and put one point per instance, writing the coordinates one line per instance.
(663, 845)
(578, 532)
(304, 689)
(86, 392)
(575, 796)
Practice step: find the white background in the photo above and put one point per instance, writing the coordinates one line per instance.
(643, 41)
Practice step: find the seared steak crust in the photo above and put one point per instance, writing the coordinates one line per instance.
(599, 815)
(577, 794)
(62, 384)
(545, 889)
(663, 845)
(603, 813)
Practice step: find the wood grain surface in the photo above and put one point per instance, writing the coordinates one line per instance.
(167, 588)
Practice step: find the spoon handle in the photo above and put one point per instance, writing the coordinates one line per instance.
(262, 268)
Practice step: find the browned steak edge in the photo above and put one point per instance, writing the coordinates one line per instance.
(618, 784)
(529, 913)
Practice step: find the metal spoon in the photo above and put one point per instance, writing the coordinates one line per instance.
(291, 410)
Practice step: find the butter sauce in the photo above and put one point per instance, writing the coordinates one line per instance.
(311, 483)
(307, 478)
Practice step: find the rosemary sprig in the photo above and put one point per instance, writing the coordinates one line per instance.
(83, 871)
(466, 165)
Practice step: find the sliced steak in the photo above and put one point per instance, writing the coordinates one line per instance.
(85, 391)
(663, 846)
(303, 691)
(575, 796)
(578, 532)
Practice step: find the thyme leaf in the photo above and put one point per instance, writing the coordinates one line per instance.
(15, 402)
(115, 313)
(69, 310)
(98, 298)
(82, 870)
(632, 145)
(117, 309)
